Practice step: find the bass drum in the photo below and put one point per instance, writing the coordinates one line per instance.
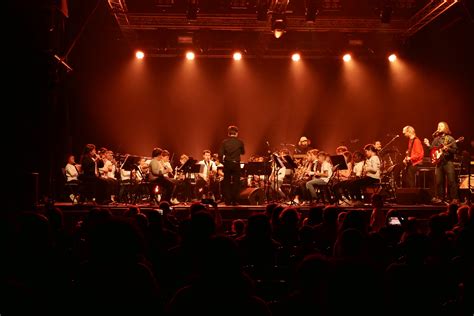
(252, 196)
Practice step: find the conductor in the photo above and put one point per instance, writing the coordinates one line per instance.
(230, 151)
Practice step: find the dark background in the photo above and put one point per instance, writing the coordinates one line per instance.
(113, 100)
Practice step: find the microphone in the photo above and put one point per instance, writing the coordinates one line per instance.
(396, 136)
(268, 144)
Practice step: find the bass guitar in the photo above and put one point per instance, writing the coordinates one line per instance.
(437, 153)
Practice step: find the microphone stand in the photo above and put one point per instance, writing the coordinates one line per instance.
(386, 145)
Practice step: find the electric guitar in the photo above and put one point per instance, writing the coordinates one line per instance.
(437, 153)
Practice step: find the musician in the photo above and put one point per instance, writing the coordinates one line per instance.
(207, 174)
(445, 167)
(378, 145)
(168, 172)
(304, 174)
(94, 186)
(157, 170)
(340, 150)
(72, 169)
(370, 172)
(303, 146)
(278, 173)
(182, 182)
(414, 156)
(321, 175)
(344, 177)
(230, 151)
(108, 173)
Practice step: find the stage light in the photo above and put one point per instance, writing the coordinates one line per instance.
(278, 24)
(237, 56)
(139, 54)
(347, 58)
(296, 57)
(392, 58)
(190, 55)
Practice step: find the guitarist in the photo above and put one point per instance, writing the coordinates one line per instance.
(414, 156)
(445, 167)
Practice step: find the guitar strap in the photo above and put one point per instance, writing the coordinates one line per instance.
(411, 146)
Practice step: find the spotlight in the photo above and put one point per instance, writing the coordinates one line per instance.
(347, 58)
(139, 54)
(392, 58)
(386, 13)
(237, 56)
(278, 25)
(192, 9)
(312, 10)
(295, 57)
(190, 55)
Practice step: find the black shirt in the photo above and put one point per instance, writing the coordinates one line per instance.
(88, 166)
(231, 149)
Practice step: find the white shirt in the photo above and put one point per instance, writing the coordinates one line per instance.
(326, 167)
(71, 172)
(125, 174)
(109, 174)
(372, 167)
(206, 167)
(358, 168)
(167, 166)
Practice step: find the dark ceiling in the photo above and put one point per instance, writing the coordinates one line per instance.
(165, 28)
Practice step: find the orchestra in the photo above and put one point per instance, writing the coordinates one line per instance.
(314, 177)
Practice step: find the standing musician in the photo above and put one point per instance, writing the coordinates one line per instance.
(445, 167)
(413, 157)
(230, 151)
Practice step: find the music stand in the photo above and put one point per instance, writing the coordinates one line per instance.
(289, 162)
(339, 162)
(131, 163)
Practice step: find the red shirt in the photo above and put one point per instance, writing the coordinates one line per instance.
(417, 152)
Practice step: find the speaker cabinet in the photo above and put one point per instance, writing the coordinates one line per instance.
(252, 196)
(410, 196)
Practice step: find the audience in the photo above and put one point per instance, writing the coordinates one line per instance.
(149, 262)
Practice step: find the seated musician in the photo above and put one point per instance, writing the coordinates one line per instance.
(167, 164)
(156, 176)
(370, 173)
(303, 146)
(72, 169)
(206, 176)
(303, 175)
(108, 173)
(321, 175)
(278, 174)
(182, 182)
(344, 176)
